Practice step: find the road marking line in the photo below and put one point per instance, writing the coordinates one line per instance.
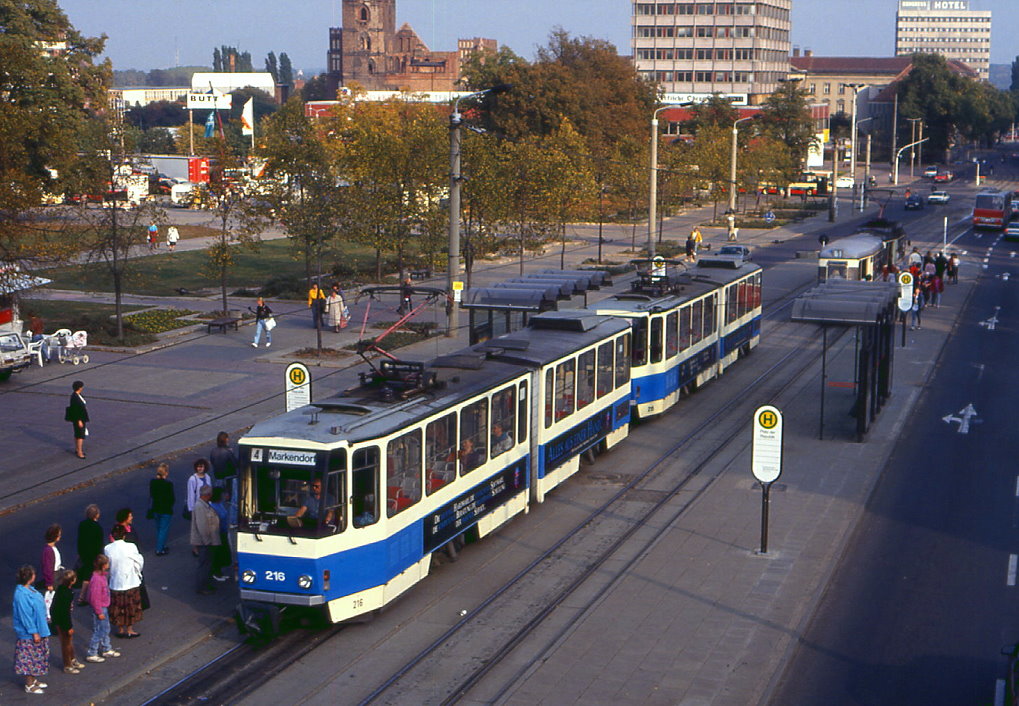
(1013, 563)
(999, 692)
(1017, 486)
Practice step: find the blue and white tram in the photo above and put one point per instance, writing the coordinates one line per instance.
(343, 502)
(688, 328)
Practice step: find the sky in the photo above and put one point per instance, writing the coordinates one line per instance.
(150, 34)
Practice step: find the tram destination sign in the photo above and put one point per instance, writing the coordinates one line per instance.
(467, 508)
(766, 461)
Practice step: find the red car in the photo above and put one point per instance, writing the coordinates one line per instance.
(943, 177)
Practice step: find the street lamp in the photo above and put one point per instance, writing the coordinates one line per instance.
(852, 135)
(453, 262)
(653, 205)
(912, 137)
(732, 164)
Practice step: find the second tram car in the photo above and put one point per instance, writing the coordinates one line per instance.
(688, 328)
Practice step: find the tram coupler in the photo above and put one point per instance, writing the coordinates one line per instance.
(260, 620)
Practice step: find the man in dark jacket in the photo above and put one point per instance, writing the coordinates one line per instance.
(90, 545)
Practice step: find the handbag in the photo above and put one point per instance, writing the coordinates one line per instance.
(270, 323)
(146, 603)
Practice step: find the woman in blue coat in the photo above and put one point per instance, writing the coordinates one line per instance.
(32, 649)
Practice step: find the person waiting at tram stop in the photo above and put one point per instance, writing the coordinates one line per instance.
(311, 505)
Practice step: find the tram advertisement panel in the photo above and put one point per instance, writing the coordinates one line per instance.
(446, 522)
(569, 443)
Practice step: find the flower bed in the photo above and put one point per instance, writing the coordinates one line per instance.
(160, 320)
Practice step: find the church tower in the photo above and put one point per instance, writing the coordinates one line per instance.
(360, 50)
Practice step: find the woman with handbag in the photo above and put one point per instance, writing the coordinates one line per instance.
(336, 309)
(263, 322)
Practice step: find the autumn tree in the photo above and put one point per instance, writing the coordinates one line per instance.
(51, 88)
(786, 117)
(393, 155)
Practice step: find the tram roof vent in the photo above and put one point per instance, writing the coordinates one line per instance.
(464, 360)
(729, 262)
(339, 407)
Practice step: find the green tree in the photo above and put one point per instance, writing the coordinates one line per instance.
(272, 66)
(301, 190)
(1014, 87)
(52, 88)
(317, 89)
(286, 76)
(238, 221)
(786, 117)
(582, 80)
(394, 155)
(715, 111)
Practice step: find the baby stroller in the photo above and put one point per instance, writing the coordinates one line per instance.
(75, 348)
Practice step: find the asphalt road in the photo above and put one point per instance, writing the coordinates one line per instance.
(924, 600)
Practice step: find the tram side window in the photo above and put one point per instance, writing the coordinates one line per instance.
(549, 392)
(744, 297)
(656, 339)
(403, 472)
(522, 414)
(440, 453)
(473, 436)
(622, 360)
(639, 332)
(684, 328)
(564, 389)
(697, 321)
(504, 410)
(605, 366)
(585, 379)
(364, 480)
(758, 298)
(335, 491)
(730, 304)
(710, 303)
(672, 334)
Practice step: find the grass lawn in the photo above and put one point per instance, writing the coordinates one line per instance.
(62, 314)
(162, 275)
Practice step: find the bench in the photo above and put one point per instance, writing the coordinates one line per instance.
(222, 322)
(420, 274)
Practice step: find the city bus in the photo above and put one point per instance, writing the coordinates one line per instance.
(992, 209)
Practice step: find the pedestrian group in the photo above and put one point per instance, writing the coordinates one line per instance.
(109, 572)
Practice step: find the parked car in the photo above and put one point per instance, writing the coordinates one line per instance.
(844, 182)
(14, 354)
(742, 251)
(930, 172)
(914, 203)
(939, 197)
(943, 177)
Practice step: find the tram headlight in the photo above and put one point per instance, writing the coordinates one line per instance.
(304, 581)
(248, 576)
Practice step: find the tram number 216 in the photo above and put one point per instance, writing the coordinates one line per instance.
(275, 576)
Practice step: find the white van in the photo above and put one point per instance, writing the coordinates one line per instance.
(180, 194)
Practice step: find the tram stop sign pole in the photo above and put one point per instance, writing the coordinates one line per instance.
(766, 458)
(905, 299)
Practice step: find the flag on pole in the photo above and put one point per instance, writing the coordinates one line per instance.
(210, 124)
(248, 118)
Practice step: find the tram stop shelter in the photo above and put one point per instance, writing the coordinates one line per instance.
(870, 309)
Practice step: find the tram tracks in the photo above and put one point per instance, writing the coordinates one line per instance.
(630, 510)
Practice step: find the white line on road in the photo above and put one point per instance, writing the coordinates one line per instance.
(999, 692)
(1013, 563)
(1017, 486)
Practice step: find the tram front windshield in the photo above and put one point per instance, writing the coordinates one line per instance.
(293, 492)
